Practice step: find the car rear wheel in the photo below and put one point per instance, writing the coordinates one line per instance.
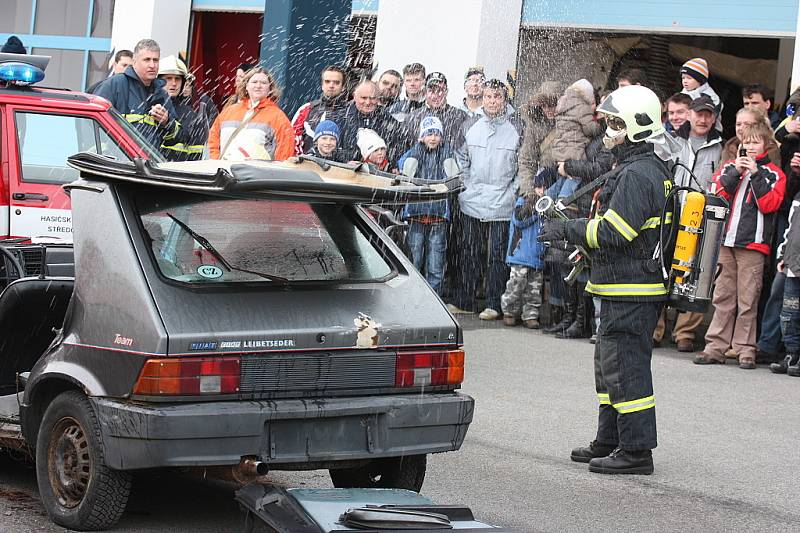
(391, 473)
(78, 491)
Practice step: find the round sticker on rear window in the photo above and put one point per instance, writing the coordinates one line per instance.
(209, 271)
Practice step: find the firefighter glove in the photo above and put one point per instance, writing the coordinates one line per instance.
(553, 230)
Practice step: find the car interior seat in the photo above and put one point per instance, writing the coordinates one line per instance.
(31, 309)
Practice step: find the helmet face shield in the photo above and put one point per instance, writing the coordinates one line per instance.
(634, 110)
(615, 123)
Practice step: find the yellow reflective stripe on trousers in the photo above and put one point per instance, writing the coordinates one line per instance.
(591, 233)
(632, 406)
(134, 118)
(180, 147)
(626, 289)
(654, 222)
(620, 225)
(603, 398)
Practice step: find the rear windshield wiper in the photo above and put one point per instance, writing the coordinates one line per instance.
(202, 241)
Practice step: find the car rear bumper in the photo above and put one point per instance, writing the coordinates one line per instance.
(284, 433)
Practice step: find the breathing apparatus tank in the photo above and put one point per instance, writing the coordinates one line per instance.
(683, 259)
(694, 265)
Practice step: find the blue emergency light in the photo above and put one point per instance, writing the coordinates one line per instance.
(21, 73)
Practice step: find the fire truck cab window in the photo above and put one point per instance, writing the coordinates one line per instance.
(46, 141)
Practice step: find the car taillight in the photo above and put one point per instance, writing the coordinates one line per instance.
(189, 376)
(420, 369)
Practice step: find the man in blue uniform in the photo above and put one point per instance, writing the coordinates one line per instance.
(139, 96)
(626, 274)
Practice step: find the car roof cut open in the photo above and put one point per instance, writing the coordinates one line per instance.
(305, 179)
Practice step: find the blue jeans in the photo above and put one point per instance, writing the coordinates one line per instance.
(790, 315)
(428, 246)
(770, 338)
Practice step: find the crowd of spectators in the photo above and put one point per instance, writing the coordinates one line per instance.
(481, 245)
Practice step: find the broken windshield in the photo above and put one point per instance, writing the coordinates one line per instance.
(256, 240)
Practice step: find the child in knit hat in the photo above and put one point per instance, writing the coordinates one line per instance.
(326, 142)
(373, 148)
(431, 160)
(694, 78)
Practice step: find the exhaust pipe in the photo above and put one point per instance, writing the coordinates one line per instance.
(248, 470)
(250, 466)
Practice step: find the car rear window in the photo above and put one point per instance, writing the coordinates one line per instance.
(260, 240)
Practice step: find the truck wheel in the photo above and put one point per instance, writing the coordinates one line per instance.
(391, 473)
(78, 491)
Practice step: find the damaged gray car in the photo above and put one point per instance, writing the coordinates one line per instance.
(213, 314)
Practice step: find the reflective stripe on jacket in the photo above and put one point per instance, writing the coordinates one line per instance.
(133, 100)
(623, 239)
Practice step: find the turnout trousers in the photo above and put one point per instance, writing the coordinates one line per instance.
(623, 378)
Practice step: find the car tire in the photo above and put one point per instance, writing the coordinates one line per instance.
(390, 473)
(78, 490)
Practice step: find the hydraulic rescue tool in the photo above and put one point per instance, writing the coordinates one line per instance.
(579, 259)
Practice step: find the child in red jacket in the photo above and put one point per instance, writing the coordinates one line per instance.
(754, 188)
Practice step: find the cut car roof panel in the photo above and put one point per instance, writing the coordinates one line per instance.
(301, 179)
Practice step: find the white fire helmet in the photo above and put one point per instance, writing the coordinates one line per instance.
(633, 111)
(172, 65)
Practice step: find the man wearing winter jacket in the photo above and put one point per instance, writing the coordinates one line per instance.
(332, 100)
(488, 162)
(701, 148)
(139, 96)
(195, 123)
(436, 106)
(364, 112)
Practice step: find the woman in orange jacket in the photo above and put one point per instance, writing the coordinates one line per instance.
(254, 127)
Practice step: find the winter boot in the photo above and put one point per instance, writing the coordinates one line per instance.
(584, 454)
(510, 320)
(622, 461)
(576, 329)
(556, 316)
(567, 318)
(783, 365)
(794, 370)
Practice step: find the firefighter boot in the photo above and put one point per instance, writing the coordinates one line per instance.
(576, 329)
(622, 461)
(782, 366)
(584, 454)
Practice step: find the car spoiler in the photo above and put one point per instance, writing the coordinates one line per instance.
(301, 179)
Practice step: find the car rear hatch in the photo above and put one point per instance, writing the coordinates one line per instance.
(287, 285)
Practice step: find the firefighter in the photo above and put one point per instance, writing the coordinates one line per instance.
(626, 274)
(195, 113)
(140, 98)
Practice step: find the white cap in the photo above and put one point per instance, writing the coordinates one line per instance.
(368, 141)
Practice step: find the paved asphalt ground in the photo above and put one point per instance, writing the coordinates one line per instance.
(728, 460)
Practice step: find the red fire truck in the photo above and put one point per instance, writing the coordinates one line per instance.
(39, 128)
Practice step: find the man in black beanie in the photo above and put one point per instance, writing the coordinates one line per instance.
(13, 46)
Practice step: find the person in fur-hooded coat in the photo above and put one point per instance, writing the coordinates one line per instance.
(575, 122)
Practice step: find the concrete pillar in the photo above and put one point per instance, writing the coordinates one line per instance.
(795, 80)
(299, 39)
(786, 54)
(449, 36)
(165, 21)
